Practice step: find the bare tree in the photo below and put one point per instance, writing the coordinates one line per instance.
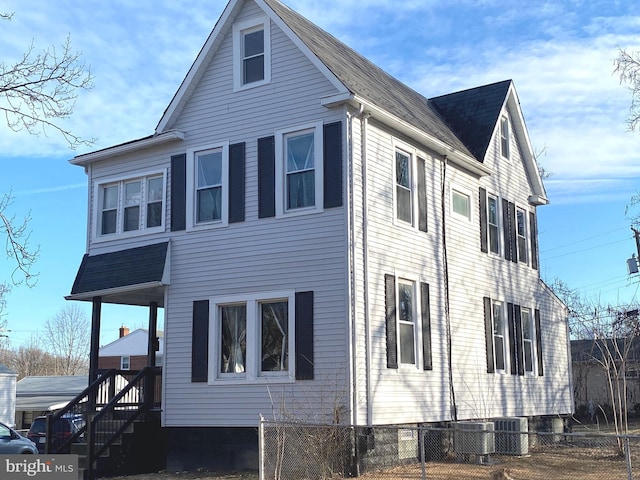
(40, 89)
(17, 245)
(29, 359)
(68, 336)
(627, 66)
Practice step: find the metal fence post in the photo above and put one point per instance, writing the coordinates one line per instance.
(261, 448)
(423, 457)
(627, 451)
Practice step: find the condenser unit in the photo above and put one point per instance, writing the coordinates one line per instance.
(473, 438)
(512, 435)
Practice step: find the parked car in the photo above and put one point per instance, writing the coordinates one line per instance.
(11, 442)
(63, 428)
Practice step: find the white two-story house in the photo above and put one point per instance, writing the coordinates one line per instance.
(326, 244)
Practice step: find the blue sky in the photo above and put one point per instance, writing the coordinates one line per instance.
(559, 53)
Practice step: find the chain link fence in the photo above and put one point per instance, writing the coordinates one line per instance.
(467, 450)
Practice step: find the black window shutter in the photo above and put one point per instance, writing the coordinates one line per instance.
(488, 330)
(390, 317)
(236, 183)
(533, 231)
(266, 177)
(484, 244)
(422, 195)
(178, 192)
(513, 236)
(333, 165)
(506, 228)
(200, 342)
(539, 343)
(517, 320)
(304, 335)
(513, 349)
(426, 327)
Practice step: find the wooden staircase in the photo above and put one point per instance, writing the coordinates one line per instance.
(120, 432)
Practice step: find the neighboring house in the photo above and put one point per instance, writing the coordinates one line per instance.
(327, 245)
(591, 380)
(7, 395)
(39, 395)
(130, 350)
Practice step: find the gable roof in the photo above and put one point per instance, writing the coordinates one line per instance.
(473, 114)
(358, 81)
(4, 370)
(133, 343)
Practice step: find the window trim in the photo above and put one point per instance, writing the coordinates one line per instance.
(532, 341)
(460, 191)
(522, 238)
(191, 207)
(143, 177)
(128, 362)
(415, 156)
(401, 278)
(505, 137)
(281, 170)
(498, 225)
(252, 373)
(239, 29)
(505, 337)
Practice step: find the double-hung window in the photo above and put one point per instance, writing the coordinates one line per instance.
(299, 170)
(207, 180)
(527, 339)
(521, 234)
(499, 344)
(407, 314)
(504, 137)
(252, 53)
(493, 224)
(404, 187)
(252, 338)
(130, 206)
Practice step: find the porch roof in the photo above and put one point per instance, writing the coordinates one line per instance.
(135, 276)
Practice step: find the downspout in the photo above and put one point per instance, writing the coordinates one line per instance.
(447, 313)
(352, 276)
(365, 261)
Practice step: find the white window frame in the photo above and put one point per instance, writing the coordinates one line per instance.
(531, 341)
(239, 30)
(125, 362)
(281, 169)
(404, 278)
(462, 192)
(252, 373)
(191, 207)
(505, 137)
(497, 305)
(413, 155)
(119, 182)
(498, 226)
(524, 237)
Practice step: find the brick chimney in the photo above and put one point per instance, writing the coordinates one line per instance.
(124, 331)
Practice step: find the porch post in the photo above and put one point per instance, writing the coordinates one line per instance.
(95, 339)
(152, 343)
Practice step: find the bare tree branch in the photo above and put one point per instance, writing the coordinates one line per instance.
(627, 66)
(40, 89)
(17, 244)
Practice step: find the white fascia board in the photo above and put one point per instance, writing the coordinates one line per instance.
(86, 159)
(454, 156)
(114, 291)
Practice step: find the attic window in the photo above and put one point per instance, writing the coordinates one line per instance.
(252, 52)
(504, 137)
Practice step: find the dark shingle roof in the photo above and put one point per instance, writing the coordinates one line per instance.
(4, 370)
(592, 350)
(473, 114)
(133, 266)
(367, 80)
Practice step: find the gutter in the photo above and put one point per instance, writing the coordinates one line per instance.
(454, 156)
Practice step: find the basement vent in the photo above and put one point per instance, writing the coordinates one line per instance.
(473, 438)
(512, 435)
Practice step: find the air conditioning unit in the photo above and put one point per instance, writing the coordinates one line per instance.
(474, 438)
(512, 435)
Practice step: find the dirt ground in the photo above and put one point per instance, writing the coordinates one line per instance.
(582, 464)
